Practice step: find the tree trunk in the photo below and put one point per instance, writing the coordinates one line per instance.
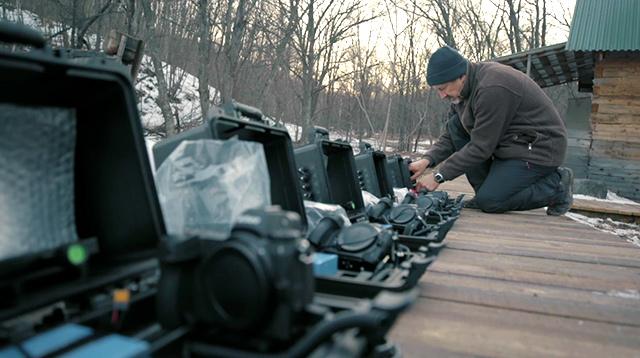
(204, 50)
(163, 96)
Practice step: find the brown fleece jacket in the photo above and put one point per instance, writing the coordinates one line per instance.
(508, 116)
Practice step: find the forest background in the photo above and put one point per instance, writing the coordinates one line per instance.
(355, 67)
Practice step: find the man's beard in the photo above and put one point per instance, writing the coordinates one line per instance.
(455, 100)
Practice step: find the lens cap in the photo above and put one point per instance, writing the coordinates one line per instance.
(425, 202)
(402, 214)
(357, 237)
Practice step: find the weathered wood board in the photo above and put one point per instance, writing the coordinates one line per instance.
(525, 285)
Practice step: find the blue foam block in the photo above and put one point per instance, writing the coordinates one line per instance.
(11, 352)
(55, 339)
(325, 264)
(113, 346)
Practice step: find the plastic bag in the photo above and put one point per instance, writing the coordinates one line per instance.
(37, 154)
(316, 211)
(400, 193)
(369, 199)
(204, 186)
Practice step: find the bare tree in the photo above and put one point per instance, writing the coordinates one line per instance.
(234, 36)
(322, 25)
(481, 33)
(204, 50)
(443, 16)
(163, 94)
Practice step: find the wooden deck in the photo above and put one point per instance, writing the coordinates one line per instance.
(525, 285)
(623, 212)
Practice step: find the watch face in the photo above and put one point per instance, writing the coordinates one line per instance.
(438, 178)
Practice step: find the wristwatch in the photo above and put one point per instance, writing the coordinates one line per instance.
(438, 178)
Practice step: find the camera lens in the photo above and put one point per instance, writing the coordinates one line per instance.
(236, 286)
(402, 214)
(357, 237)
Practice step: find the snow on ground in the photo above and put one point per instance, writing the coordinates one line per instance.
(185, 103)
(628, 294)
(30, 19)
(45, 26)
(628, 232)
(611, 198)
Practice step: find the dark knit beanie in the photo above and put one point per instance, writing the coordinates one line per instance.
(445, 65)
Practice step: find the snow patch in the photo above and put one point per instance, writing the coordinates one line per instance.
(628, 294)
(611, 198)
(185, 102)
(628, 232)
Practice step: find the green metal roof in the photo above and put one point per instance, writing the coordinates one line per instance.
(605, 25)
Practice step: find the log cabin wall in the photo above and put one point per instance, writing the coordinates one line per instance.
(615, 123)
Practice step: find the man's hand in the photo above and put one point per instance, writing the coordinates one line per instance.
(418, 167)
(427, 182)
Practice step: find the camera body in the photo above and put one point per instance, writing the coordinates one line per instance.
(406, 219)
(257, 282)
(360, 246)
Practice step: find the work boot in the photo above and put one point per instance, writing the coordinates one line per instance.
(563, 205)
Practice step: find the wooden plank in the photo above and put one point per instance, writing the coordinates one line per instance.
(620, 72)
(615, 118)
(615, 89)
(525, 284)
(616, 108)
(601, 135)
(632, 128)
(540, 271)
(525, 220)
(558, 301)
(578, 233)
(527, 225)
(616, 149)
(626, 100)
(604, 255)
(486, 331)
(606, 207)
(630, 81)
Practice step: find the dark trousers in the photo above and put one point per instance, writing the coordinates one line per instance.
(507, 185)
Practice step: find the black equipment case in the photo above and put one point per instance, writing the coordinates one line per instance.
(223, 124)
(326, 171)
(247, 123)
(88, 110)
(81, 194)
(399, 172)
(372, 171)
(278, 149)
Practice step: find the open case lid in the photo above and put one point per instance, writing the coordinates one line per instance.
(327, 173)
(112, 202)
(406, 174)
(399, 171)
(278, 149)
(394, 163)
(372, 168)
